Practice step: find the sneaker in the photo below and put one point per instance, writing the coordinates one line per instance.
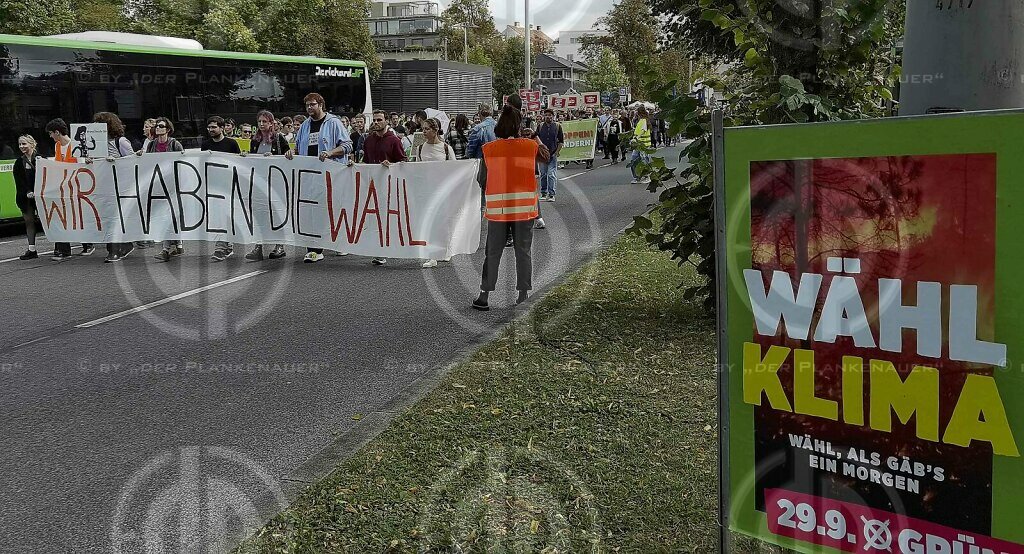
(87, 249)
(277, 252)
(645, 180)
(543, 195)
(539, 223)
(177, 251)
(59, 257)
(379, 261)
(635, 182)
(341, 253)
(123, 255)
(164, 255)
(144, 244)
(508, 242)
(480, 304)
(221, 255)
(256, 255)
(430, 263)
(29, 255)
(551, 198)
(112, 258)
(312, 257)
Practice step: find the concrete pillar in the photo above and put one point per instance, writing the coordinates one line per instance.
(962, 55)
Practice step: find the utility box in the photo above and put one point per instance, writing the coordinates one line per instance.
(406, 86)
(962, 55)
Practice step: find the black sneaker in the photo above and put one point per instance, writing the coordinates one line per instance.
(131, 248)
(29, 255)
(277, 253)
(221, 255)
(87, 249)
(481, 305)
(256, 255)
(163, 256)
(59, 257)
(508, 242)
(111, 258)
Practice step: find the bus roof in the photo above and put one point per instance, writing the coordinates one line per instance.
(120, 47)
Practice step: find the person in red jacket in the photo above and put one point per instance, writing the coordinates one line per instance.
(382, 147)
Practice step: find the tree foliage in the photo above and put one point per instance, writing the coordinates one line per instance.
(822, 62)
(605, 72)
(298, 27)
(633, 36)
(510, 68)
(482, 35)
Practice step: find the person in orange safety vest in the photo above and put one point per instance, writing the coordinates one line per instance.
(510, 201)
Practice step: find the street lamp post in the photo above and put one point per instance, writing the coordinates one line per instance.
(527, 19)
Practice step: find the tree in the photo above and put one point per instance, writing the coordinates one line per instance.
(632, 35)
(224, 29)
(482, 35)
(22, 17)
(605, 73)
(510, 68)
(101, 15)
(821, 62)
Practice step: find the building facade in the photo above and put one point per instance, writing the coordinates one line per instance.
(569, 43)
(516, 30)
(406, 30)
(558, 75)
(406, 86)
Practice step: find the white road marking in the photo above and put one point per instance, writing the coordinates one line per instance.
(584, 171)
(167, 300)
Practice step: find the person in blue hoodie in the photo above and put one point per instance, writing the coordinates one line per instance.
(481, 134)
(322, 135)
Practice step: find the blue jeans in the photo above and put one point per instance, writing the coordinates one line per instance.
(634, 160)
(548, 176)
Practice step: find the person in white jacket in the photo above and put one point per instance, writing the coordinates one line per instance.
(435, 149)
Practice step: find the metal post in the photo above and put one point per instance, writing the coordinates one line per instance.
(465, 41)
(721, 296)
(527, 33)
(962, 56)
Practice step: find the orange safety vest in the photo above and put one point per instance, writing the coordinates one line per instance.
(64, 155)
(511, 192)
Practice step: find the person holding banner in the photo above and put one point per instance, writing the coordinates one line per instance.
(510, 197)
(383, 147)
(117, 147)
(268, 142)
(434, 150)
(612, 130)
(24, 190)
(217, 142)
(161, 143)
(321, 135)
(62, 147)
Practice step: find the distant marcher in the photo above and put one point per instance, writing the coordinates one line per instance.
(458, 136)
(551, 135)
(642, 141)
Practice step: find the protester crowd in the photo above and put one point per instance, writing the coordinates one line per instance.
(385, 139)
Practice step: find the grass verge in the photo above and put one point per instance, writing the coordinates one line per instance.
(588, 425)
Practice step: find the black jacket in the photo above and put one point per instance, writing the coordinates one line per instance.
(278, 146)
(24, 179)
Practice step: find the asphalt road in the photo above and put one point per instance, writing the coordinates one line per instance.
(186, 423)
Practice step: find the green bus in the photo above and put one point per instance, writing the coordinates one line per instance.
(140, 77)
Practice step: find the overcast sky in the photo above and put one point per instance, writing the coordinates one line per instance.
(552, 15)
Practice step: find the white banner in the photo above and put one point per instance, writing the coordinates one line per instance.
(410, 210)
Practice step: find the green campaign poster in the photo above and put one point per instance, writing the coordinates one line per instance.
(874, 334)
(8, 208)
(580, 140)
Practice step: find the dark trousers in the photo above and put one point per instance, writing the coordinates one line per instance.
(613, 147)
(65, 247)
(118, 248)
(522, 240)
